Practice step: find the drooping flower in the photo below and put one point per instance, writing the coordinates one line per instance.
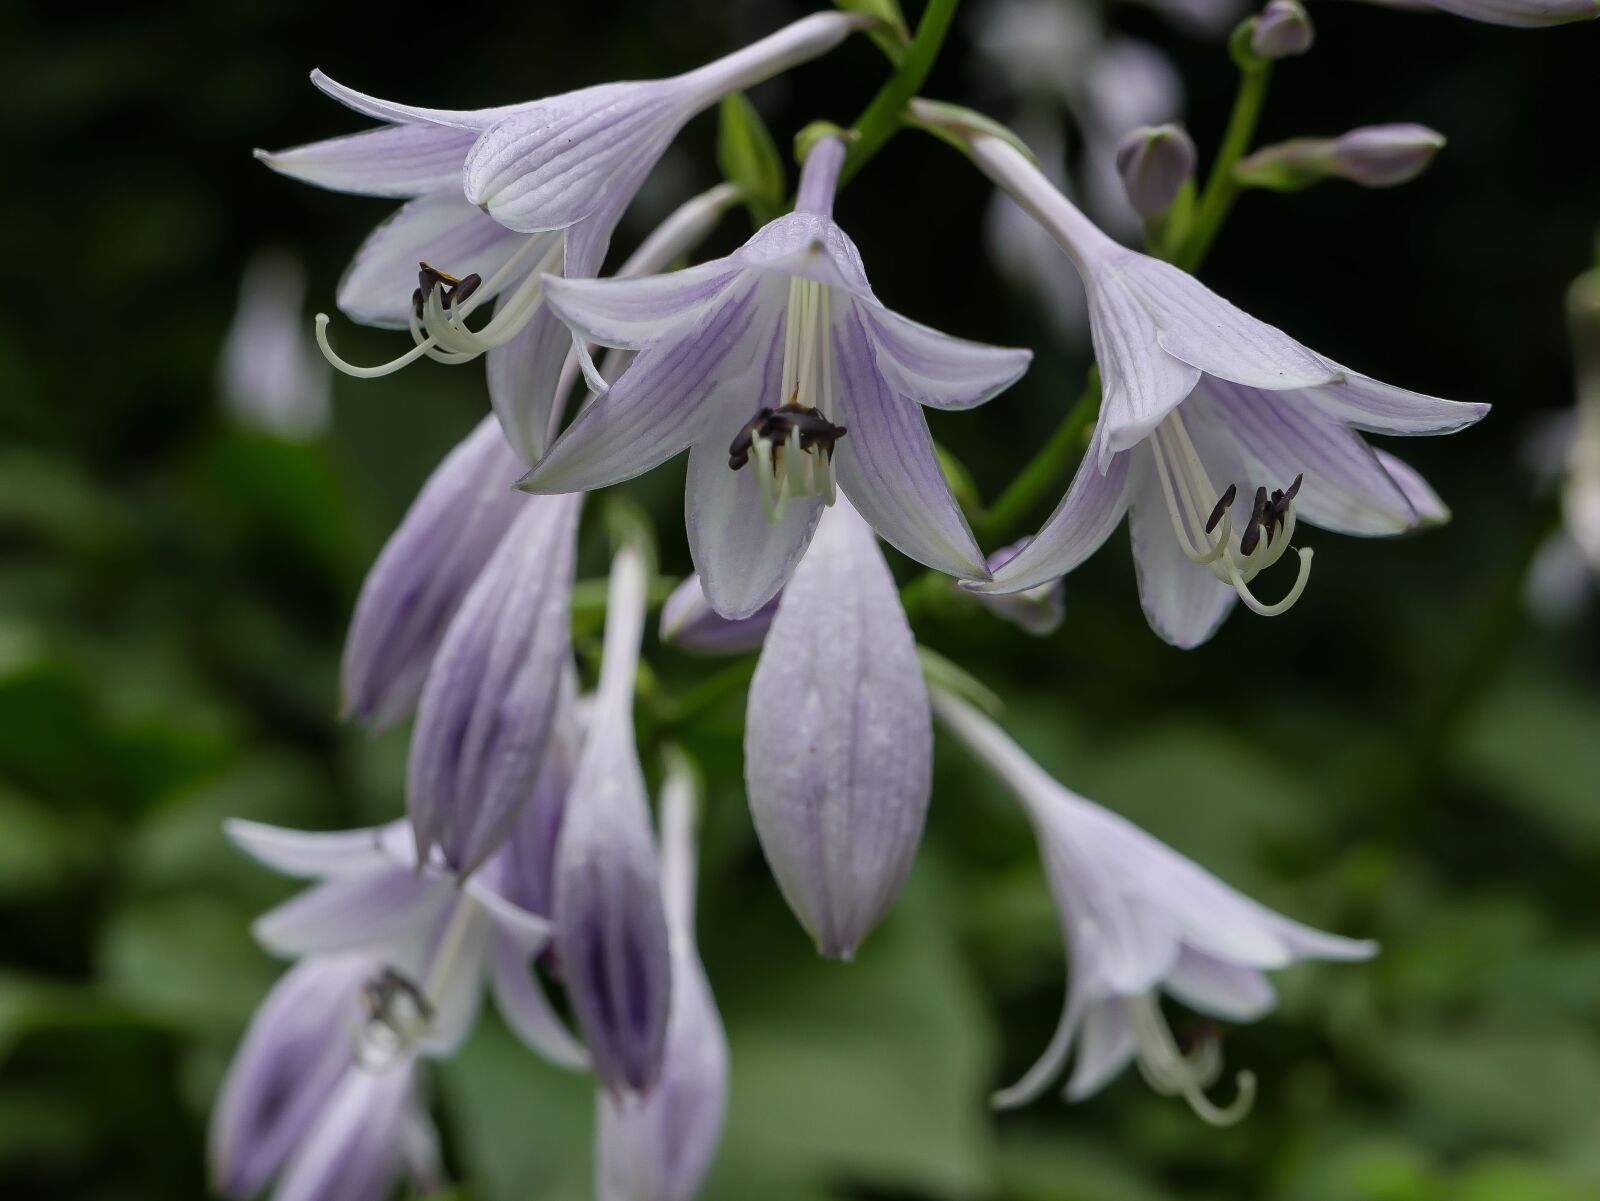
(659, 1147)
(494, 689)
(611, 930)
(1204, 406)
(1139, 920)
(785, 378)
(838, 748)
(1526, 14)
(270, 375)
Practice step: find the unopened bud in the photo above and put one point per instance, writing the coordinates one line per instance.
(1155, 161)
(690, 623)
(1283, 30)
(1375, 156)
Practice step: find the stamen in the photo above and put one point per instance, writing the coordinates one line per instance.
(1222, 507)
(1172, 1073)
(397, 1013)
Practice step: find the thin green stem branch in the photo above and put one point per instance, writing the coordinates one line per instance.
(1044, 470)
(1222, 189)
(882, 118)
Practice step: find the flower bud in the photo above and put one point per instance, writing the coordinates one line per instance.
(611, 929)
(424, 571)
(1155, 161)
(1036, 611)
(1283, 30)
(492, 693)
(838, 738)
(1374, 156)
(690, 623)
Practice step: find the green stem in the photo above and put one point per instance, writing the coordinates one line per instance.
(1221, 187)
(1042, 472)
(708, 693)
(880, 120)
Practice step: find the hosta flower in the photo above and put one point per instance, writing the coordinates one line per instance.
(838, 743)
(1139, 920)
(786, 379)
(690, 623)
(660, 1146)
(494, 688)
(1528, 14)
(1217, 431)
(497, 196)
(1037, 610)
(1155, 161)
(611, 931)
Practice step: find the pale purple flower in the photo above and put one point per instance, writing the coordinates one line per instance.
(838, 739)
(1374, 156)
(1527, 14)
(270, 374)
(493, 690)
(498, 196)
(424, 571)
(611, 931)
(659, 1147)
(1283, 30)
(1155, 161)
(782, 374)
(1139, 920)
(1202, 407)
(1037, 610)
(689, 623)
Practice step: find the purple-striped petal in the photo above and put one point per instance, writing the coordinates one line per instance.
(689, 623)
(838, 738)
(937, 370)
(807, 246)
(1370, 404)
(370, 910)
(394, 112)
(396, 160)
(641, 312)
(354, 1152)
(1183, 602)
(491, 696)
(887, 465)
(523, 382)
(308, 854)
(1141, 383)
(424, 571)
(526, 1009)
(1424, 501)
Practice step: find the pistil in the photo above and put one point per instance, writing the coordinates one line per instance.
(1174, 1073)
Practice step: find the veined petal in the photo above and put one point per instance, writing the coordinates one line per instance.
(1183, 602)
(353, 1153)
(391, 111)
(887, 465)
(662, 402)
(441, 229)
(461, 943)
(640, 312)
(1424, 500)
(314, 855)
(396, 160)
(523, 382)
(1370, 404)
(689, 623)
(356, 911)
(937, 370)
(1049, 1065)
(1223, 990)
(1105, 1046)
(1141, 382)
(1084, 519)
(526, 1009)
(807, 246)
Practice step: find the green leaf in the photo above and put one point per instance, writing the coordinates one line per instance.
(749, 159)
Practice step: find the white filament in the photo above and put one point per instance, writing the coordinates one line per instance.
(783, 469)
(1171, 1073)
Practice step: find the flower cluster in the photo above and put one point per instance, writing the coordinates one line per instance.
(529, 860)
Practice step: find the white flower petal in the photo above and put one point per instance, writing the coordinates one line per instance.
(1105, 1046)
(396, 160)
(1219, 989)
(636, 313)
(315, 855)
(355, 911)
(1183, 602)
(937, 370)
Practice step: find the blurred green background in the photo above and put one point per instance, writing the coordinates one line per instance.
(1407, 756)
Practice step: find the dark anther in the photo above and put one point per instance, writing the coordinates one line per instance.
(775, 425)
(379, 994)
(1278, 508)
(1222, 507)
(1252, 531)
(456, 289)
(1192, 1036)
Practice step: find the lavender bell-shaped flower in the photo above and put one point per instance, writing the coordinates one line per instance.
(659, 1147)
(611, 931)
(838, 740)
(788, 382)
(1139, 920)
(1204, 406)
(493, 690)
(690, 623)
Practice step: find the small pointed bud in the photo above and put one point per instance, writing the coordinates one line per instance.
(659, 1147)
(493, 692)
(1283, 30)
(838, 738)
(1036, 611)
(1155, 161)
(690, 623)
(611, 929)
(423, 573)
(1374, 156)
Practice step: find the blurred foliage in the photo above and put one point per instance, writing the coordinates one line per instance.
(1404, 756)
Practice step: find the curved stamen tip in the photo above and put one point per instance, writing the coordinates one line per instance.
(1282, 606)
(351, 369)
(1231, 1114)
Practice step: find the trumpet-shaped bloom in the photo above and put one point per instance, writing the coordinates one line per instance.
(838, 748)
(1216, 431)
(787, 381)
(497, 196)
(611, 930)
(1139, 920)
(494, 689)
(660, 1146)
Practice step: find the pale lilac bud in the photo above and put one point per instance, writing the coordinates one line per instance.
(527, 862)
(690, 623)
(424, 572)
(1283, 30)
(1155, 161)
(1375, 156)
(492, 693)
(1038, 610)
(838, 738)
(659, 1147)
(611, 932)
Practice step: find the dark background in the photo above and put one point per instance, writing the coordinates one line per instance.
(1408, 755)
